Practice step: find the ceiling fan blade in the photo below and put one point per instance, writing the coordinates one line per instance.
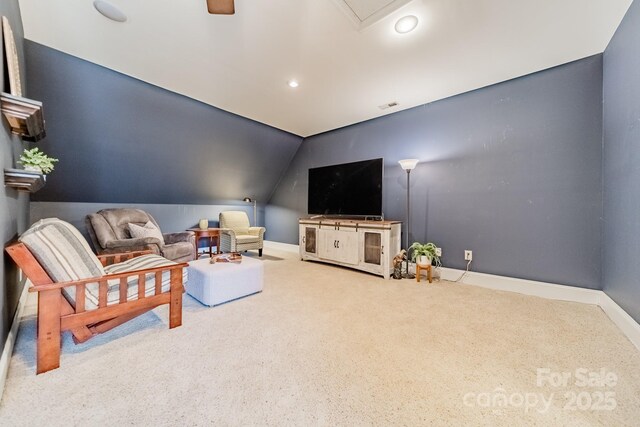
(221, 7)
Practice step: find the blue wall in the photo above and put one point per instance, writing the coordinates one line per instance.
(14, 206)
(120, 140)
(511, 171)
(621, 158)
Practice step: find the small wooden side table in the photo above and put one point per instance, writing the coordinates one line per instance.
(211, 234)
(419, 268)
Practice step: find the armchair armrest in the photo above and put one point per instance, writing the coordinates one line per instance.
(183, 236)
(131, 243)
(257, 231)
(228, 231)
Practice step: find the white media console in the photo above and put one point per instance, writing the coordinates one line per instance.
(363, 245)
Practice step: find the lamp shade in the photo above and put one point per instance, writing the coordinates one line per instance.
(408, 164)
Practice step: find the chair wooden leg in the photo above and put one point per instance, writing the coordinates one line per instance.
(48, 350)
(175, 306)
(259, 252)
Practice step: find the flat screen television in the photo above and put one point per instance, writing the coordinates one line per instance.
(350, 189)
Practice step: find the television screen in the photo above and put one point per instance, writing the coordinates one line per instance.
(346, 189)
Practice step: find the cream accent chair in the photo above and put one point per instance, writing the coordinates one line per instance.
(237, 235)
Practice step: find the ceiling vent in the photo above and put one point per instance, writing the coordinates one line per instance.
(363, 13)
(389, 105)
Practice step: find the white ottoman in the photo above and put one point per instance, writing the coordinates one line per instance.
(214, 284)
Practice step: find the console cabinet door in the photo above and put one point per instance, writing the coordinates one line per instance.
(310, 240)
(347, 247)
(373, 248)
(338, 245)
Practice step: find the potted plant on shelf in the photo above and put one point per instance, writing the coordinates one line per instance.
(425, 254)
(37, 161)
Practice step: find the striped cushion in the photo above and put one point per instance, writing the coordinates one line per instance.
(113, 291)
(134, 264)
(141, 263)
(61, 250)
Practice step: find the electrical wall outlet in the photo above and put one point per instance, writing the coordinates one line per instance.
(438, 251)
(468, 255)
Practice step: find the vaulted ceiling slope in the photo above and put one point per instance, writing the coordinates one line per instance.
(242, 63)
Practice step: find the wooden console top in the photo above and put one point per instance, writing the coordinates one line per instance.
(348, 223)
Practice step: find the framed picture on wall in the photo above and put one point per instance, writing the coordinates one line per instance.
(13, 65)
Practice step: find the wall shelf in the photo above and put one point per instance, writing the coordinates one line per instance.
(24, 116)
(24, 180)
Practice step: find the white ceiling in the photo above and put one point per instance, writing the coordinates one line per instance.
(366, 12)
(241, 63)
(365, 8)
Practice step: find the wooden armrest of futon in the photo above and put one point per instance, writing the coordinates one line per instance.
(105, 279)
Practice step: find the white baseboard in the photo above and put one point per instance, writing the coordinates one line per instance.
(5, 359)
(288, 247)
(526, 287)
(621, 318)
(629, 327)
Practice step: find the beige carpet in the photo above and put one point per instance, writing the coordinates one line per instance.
(324, 345)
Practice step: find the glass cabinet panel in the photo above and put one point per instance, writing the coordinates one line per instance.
(310, 240)
(373, 248)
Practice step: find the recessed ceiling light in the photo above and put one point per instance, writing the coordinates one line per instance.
(293, 83)
(406, 24)
(109, 10)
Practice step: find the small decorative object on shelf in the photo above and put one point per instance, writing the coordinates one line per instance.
(203, 223)
(12, 61)
(233, 257)
(24, 116)
(24, 180)
(36, 161)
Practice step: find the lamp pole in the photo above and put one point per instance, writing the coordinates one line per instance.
(255, 209)
(255, 213)
(406, 240)
(408, 165)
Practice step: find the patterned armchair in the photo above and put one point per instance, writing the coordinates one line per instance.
(236, 234)
(110, 232)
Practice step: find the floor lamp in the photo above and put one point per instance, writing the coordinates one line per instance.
(408, 165)
(255, 217)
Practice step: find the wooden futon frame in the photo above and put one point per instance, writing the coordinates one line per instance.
(57, 314)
